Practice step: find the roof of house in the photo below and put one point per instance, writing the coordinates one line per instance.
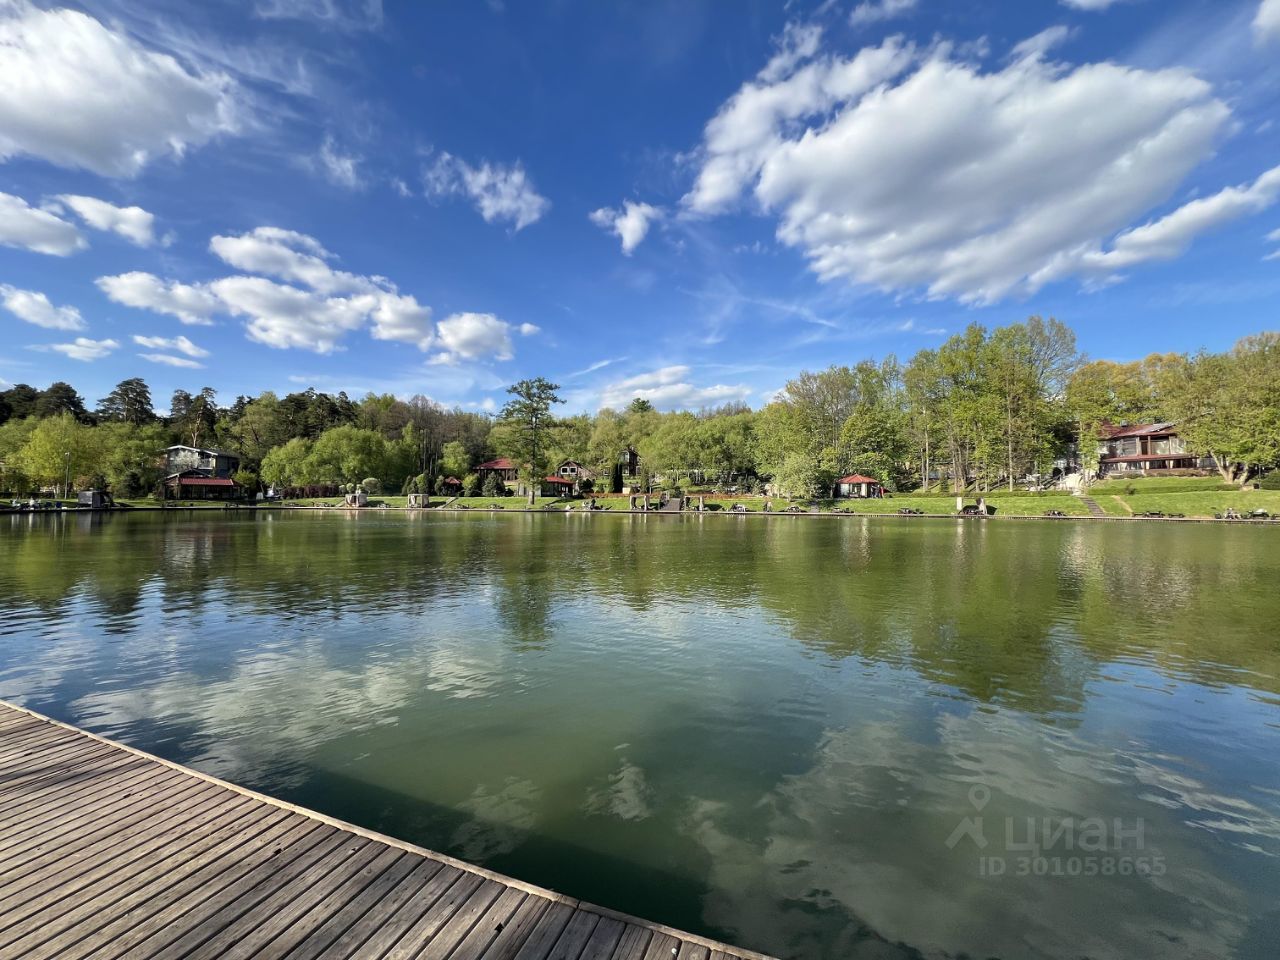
(453, 481)
(502, 463)
(186, 481)
(858, 478)
(210, 450)
(1140, 430)
(560, 480)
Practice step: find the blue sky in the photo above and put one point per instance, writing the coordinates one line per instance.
(685, 201)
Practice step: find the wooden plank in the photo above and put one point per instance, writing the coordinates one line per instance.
(29, 742)
(111, 875)
(50, 810)
(663, 946)
(35, 763)
(476, 943)
(297, 908)
(603, 940)
(440, 913)
(634, 943)
(516, 931)
(47, 738)
(364, 928)
(109, 823)
(394, 927)
(321, 926)
(72, 858)
(576, 933)
(546, 933)
(164, 888)
(43, 798)
(693, 951)
(461, 923)
(192, 902)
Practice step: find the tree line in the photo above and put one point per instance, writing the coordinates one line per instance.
(987, 409)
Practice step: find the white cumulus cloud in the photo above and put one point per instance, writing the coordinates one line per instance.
(193, 304)
(905, 171)
(401, 318)
(35, 308)
(1266, 23)
(474, 336)
(1171, 235)
(529, 329)
(180, 344)
(291, 296)
(284, 317)
(133, 223)
(40, 231)
(502, 194)
(669, 388)
(287, 255)
(82, 348)
(79, 94)
(630, 224)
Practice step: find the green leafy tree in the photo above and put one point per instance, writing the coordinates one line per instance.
(346, 454)
(59, 451)
(60, 398)
(288, 464)
(527, 419)
(132, 456)
(454, 459)
(129, 402)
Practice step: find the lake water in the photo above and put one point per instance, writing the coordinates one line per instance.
(791, 733)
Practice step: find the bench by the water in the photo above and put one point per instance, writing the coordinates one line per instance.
(108, 852)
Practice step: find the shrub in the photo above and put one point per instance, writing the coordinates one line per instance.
(493, 486)
(471, 485)
(1271, 481)
(371, 485)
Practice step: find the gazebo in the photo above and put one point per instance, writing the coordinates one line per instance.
(859, 487)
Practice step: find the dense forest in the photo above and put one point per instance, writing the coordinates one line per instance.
(987, 409)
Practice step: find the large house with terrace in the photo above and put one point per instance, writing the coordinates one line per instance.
(1141, 448)
(200, 473)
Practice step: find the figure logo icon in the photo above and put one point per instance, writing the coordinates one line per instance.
(971, 827)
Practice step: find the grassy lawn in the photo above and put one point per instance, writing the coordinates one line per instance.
(1004, 506)
(1192, 504)
(1142, 485)
(509, 503)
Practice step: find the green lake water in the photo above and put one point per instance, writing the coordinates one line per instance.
(813, 737)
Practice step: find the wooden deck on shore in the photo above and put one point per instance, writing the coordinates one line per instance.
(108, 852)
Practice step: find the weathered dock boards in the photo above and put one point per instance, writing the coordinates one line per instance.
(110, 853)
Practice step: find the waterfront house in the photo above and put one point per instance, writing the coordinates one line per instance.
(504, 467)
(557, 486)
(1142, 448)
(199, 473)
(575, 473)
(859, 487)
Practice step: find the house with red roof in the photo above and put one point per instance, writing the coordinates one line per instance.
(1147, 447)
(199, 473)
(859, 487)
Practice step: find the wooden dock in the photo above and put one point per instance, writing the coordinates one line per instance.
(110, 853)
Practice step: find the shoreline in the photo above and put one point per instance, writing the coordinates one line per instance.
(483, 511)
